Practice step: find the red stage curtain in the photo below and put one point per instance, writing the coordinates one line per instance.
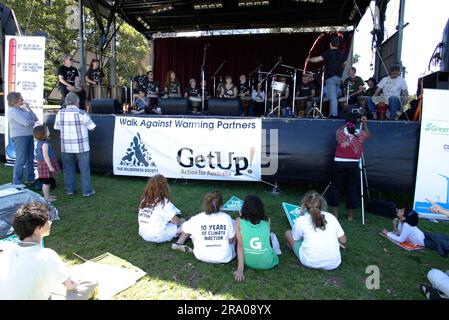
(241, 52)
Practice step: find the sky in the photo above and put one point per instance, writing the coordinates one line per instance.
(426, 19)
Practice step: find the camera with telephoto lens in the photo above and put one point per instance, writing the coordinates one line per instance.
(359, 111)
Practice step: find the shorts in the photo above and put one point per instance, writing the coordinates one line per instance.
(47, 180)
(170, 231)
(296, 247)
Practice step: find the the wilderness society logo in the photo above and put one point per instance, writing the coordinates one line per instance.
(137, 157)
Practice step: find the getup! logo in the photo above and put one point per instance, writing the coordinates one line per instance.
(137, 155)
(238, 165)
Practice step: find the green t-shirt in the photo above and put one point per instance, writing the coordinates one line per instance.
(354, 84)
(257, 248)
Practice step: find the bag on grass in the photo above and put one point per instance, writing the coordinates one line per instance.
(381, 207)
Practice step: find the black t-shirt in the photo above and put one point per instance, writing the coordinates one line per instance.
(305, 90)
(95, 75)
(173, 87)
(69, 74)
(152, 86)
(193, 92)
(243, 87)
(228, 93)
(334, 60)
(142, 82)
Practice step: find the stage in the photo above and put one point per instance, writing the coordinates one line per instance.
(306, 148)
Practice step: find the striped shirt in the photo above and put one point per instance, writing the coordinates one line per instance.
(74, 125)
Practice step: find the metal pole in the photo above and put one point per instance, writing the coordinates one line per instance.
(294, 92)
(81, 42)
(113, 63)
(361, 192)
(401, 35)
(322, 93)
(266, 94)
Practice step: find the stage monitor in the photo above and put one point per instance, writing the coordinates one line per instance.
(173, 106)
(224, 107)
(106, 106)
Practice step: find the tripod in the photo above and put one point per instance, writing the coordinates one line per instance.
(315, 109)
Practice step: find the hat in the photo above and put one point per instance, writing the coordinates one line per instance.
(373, 80)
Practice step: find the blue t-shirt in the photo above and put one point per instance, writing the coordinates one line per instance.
(40, 155)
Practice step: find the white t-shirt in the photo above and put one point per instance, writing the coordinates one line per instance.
(210, 235)
(392, 87)
(320, 248)
(408, 233)
(30, 273)
(154, 223)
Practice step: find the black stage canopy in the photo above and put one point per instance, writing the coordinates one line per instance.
(153, 16)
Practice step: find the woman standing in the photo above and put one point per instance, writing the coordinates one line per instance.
(172, 85)
(21, 120)
(94, 77)
(346, 163)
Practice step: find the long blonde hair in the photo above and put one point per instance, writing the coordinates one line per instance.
(315, 203)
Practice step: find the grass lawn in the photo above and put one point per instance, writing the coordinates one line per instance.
(107, 222)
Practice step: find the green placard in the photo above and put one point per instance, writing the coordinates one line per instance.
(292, 212)
(233, 204)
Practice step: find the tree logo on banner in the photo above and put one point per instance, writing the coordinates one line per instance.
(137, 154)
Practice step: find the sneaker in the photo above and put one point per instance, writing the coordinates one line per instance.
(181, 247)
(19, 186)
(275, 244)
(70, 193)
(89, 194)
(430, 292)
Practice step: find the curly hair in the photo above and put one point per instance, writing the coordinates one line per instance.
(29, 217)
(156, 191)
(253, 210)
(315, 203)
(213, 202)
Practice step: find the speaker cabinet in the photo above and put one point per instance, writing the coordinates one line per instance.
(224, 107)
(173, 106)
(106, 106)
(436, 80)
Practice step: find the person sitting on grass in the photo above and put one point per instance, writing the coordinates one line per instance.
(28, 271)
(405, 228)
(316, 237)
(212, 232)
(47, 163)
(439, 280)
(253, 238)
(158, 217)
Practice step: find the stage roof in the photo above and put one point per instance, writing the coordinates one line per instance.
(149, 16)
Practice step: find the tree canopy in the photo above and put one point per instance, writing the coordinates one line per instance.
(59, 21)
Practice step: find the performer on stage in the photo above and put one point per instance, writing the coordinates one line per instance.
(355, 85)
(305, 94)
(68, 78)
(221, 84)
(285, 103)
(193, 96)
(140, 81)
(335, 62)
(257, 101)
(229, 91)
(94, 77)
(172, 85)
(152, 91)
(244, 94)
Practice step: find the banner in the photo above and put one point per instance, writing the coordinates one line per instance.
(432, 179)
(206, 149)
(24, 73)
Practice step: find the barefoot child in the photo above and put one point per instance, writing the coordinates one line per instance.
(47, 164)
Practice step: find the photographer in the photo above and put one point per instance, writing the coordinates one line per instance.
(346, 162)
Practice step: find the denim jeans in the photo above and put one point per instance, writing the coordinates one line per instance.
(24, 147)
(332, 84)
(69, 165)
(394, 105)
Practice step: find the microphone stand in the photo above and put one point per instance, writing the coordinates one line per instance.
(215, 74)
(266, 84)
(202, 76)
(249, 76)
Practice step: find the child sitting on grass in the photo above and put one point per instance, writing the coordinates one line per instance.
(253, 238)
(405, 228)
(47, 163)
(28, 271)
(212, 232)
(158, 217)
